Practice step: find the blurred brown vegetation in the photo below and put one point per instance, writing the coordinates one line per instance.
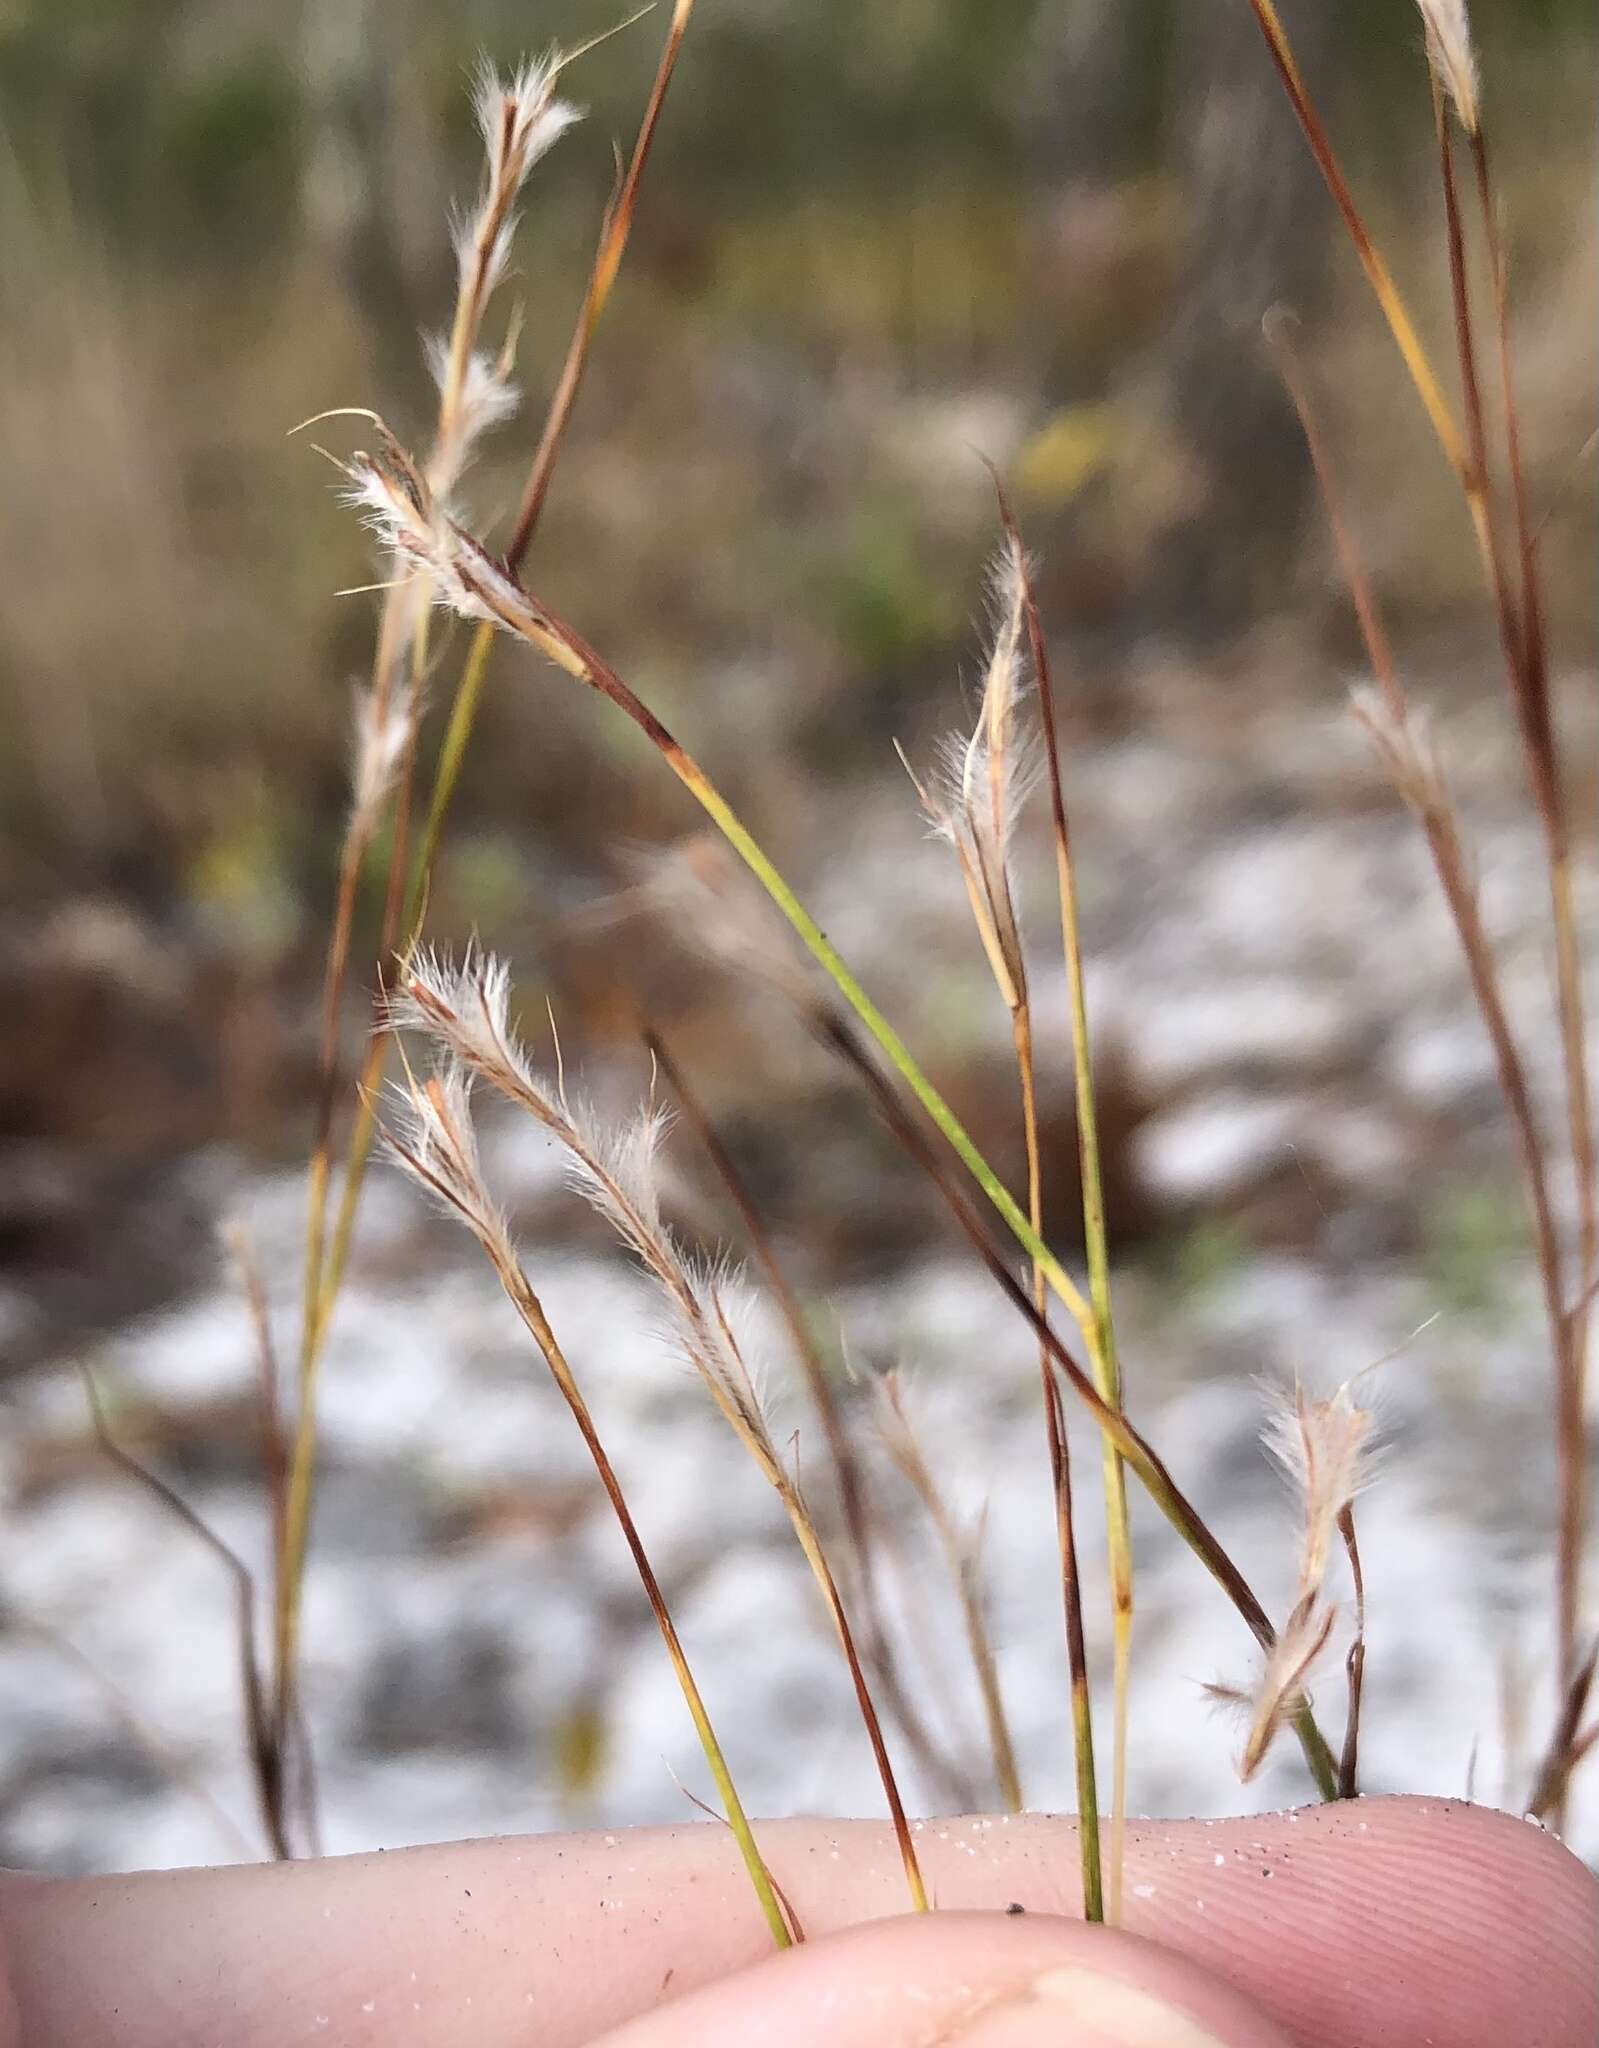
(876, 241)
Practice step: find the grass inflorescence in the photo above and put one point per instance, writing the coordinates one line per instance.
(452, 1019)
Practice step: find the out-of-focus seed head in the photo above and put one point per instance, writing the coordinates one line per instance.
(1452, 57)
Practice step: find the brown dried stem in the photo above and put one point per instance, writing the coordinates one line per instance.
(1530, 682)
(265, 1752)
(904, 1448)
(1096, 1240)
(1140, 1455)
(1355, 1665)
(1419, 782)
(440, 1152)
(850, 1478)
(326, 1260)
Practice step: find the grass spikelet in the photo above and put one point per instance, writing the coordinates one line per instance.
(432, 1136)
(1324, 1447)
(484, 399)
(850, 1475)
(974, 803)
(1452, 57)
(384, 730)
(1283, 1686)
(560, 644)
(613, 1167)
(975, 797)
(520, 119)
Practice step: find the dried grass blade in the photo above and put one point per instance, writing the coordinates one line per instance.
(265, 1753)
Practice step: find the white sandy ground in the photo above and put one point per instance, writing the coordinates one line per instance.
(462, 1616)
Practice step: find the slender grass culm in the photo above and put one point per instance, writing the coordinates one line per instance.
(433, 1137)
(394, 496)
(852, 1480)
(962, 1560)
(1456, 90)
(518, 122)
(465, 1012)
(974, 802)
(433, 558)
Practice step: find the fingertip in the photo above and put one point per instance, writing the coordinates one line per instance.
(962, 1980)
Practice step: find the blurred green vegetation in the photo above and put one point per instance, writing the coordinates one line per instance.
(851, 272)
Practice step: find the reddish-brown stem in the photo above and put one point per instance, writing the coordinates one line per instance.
(1355, 1665)
(266, 1752)
(1439, 824)
(1544, 771)
(1138, 1452)
(848, 1475)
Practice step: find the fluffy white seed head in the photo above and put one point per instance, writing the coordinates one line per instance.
(383, 726)
(982, 779)
(1452, 56)
(400, 508)
(1325, 1449)
(486, 397)
(432, 1135)
(464, 1010)
(1283, 1684)
(520, 119)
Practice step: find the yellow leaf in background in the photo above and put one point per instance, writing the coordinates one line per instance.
(580, 1748)
(1073, 447)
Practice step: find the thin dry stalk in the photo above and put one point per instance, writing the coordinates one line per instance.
(474, 584)
(961, 1561)
(438, 1147)
(974, 804)
(1540, 741)
(1372, 261)
(1418, 780)
(1104, 1357)
(469, 580)
(268, 1375)
(613, 241)
(265, 1753)
(849, 1477)
(519, 121)
(1475, 479)
(1355, 1665)
(466, 1013)
(1567, 1746)
(1140, 1455)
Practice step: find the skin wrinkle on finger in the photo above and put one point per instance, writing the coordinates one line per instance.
(1381, 1920)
